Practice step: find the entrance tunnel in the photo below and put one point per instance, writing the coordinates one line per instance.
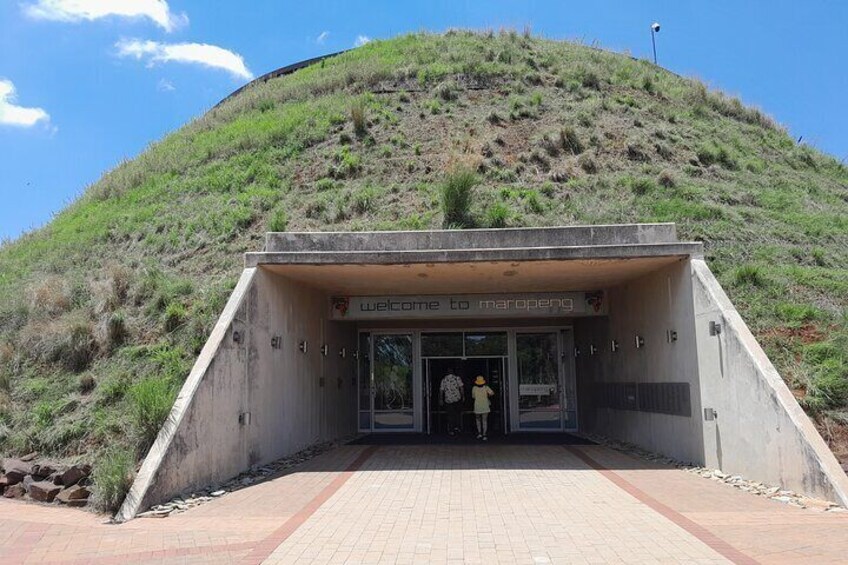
(614, 331)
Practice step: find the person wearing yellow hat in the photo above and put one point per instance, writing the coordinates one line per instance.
(482, 406)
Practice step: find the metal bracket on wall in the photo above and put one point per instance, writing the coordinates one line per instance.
(236, 336)
(592, 349)
(276, 342)
(640, 342)
(715, 328)
(343, 352)
(325, 349)
(576, 351)
(614, 346)
(244, 418)
(671, 336)
(303, 346)
(710, 414)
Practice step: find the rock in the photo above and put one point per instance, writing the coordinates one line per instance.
(74, 474)
(16, 469)
(783, 499)
(42, 471)
(218, 493)
(3, 484)
(27, 482)
(15, 491)
(74, 495)
(12, 478)
(29, 456)
(43, 491)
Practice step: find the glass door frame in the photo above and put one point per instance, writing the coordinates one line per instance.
(566, 367)
(417, 396)
(567, 381)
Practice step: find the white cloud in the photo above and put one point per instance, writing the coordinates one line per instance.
(193, 53)
(361, 40)
(164, 85)
(78, 10)
(322, 37)
(13, 115)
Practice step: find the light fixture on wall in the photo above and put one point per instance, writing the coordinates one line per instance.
(640, 342)
(303, 346)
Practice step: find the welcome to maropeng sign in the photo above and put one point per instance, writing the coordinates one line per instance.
(528, 305)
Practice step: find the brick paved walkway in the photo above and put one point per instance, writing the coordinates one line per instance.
(477, 504)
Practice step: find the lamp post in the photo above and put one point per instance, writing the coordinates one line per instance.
(655, 29)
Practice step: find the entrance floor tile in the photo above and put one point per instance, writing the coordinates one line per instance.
(448, 504)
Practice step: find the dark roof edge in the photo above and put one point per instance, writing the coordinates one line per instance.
(282, 71)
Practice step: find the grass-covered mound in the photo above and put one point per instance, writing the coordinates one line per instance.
(103, 310)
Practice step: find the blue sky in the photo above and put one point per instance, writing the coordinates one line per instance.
(81, 90)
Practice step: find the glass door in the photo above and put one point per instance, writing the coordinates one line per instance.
(539, 381)
(392, 380)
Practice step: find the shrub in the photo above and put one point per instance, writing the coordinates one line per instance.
(357, 116)
(456, 197)
(175, 315)
(497, 216)
(666, 179)
(642, 186)
(447, 91)
(112, 476)
(749, 275)
(86, 384)
(347, 164)
(588, 164)
(570, 141)
(278, 221)
(74, 347)
(113, 388)
(590, 79)
(533, 203)
(51, 296)
(550, 146)
(364, 200)
(828, 382)
(151, 401)
(711, 153)
(116, 331)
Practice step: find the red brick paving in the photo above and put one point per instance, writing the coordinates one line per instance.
(250, 524)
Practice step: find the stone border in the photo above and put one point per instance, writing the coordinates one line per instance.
(738, 482)
(254, 476)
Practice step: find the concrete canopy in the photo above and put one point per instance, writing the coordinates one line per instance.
(471, 277)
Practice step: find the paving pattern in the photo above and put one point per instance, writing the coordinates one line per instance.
(448, 504)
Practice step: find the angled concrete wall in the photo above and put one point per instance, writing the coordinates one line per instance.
(760, 431)
(250, 400)
(649, 307)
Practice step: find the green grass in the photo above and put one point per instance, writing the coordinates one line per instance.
(124, 285)
(456, 194)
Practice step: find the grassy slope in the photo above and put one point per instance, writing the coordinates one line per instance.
(103, 310)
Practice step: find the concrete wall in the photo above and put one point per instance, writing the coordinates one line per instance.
(247, 403)
(760, 431)
(583, 236)
(649, 306)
